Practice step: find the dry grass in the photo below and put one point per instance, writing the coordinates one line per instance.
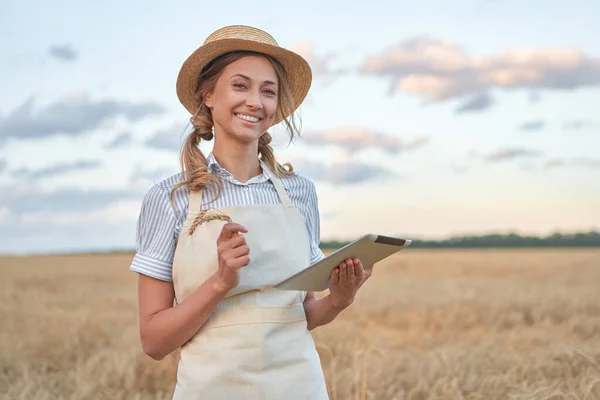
(451, 324)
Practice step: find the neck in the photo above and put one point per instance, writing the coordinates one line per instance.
(241, 160)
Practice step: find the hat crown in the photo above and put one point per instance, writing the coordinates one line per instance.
(241, 32)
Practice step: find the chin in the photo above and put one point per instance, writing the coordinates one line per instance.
(244, 136)
(249, 133)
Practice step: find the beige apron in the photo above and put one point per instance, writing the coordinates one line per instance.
(256, 344)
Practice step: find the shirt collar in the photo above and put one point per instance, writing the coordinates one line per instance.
(214, 167)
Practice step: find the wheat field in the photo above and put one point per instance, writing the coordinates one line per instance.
(430, 324)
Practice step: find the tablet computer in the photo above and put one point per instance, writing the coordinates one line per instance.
(370, 249)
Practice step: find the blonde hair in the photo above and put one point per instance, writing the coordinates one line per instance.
(194, 166)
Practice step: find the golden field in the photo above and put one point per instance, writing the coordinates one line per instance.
(430, 324)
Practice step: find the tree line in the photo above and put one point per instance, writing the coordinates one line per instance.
(511, 240)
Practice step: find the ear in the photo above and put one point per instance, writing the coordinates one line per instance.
(208, 100)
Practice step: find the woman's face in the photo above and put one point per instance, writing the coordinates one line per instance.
(244, 100)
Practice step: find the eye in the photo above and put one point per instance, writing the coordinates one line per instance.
(240, 85)
(270, 92)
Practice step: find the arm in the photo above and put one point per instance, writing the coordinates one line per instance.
(320, 311)
(344, 282)
(164, 327)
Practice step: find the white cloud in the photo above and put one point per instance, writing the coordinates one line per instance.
(439, 69)
(113, 214)
(319, 64)
(511, 153)
(356, 139)
(342, 171)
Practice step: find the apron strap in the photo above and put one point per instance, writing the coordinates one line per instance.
(283, 196)
(195, 201)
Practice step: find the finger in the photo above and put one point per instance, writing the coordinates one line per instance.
(237, 263)
(237, 252)
(335, 275)
(350, 267)
(236, 241)
(343, 272)
(243, 261)
(359, 271)
(229, 230)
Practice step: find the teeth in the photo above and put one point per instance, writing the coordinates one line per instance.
(248, 118)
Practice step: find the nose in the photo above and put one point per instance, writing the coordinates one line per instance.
(254, 99)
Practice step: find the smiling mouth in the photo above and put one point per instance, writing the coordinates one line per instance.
(248, 118)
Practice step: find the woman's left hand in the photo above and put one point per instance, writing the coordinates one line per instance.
(345, 281)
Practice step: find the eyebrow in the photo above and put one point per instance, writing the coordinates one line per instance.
(248, 78)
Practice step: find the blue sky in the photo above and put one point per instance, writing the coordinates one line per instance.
(424, 120)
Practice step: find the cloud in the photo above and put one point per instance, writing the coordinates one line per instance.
(576, 125)
(143, 177)
(356, 139)
(319, 64)
(26, 197)
(342, 172)
(459, 169)
(592, 163)
(531, 126)
(67, 217)
(55, 170)
(104, 228)
(510, 154)
(586, 162)
(416, 143)
(438, 70)
(167, 139)
(3, 165)
(124, 139)
(472, 154)
(535, 97)
(90, 231)
(555, 163)
(71, 116)
(63, 53)
(478, 102)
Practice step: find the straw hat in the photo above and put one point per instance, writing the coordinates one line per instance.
(241, 37)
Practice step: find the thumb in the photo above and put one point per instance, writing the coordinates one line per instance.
(229, 230)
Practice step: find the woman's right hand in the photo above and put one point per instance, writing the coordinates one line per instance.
(233, 253)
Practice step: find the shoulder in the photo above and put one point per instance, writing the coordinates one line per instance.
(159, 194)
(299, 183)
(168, 183)
(302, 192)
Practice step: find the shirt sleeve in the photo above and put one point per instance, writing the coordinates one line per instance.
(155, 236)
(314, 226)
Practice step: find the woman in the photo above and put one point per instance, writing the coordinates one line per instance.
(218, 235)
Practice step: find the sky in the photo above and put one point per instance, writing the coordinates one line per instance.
(425, 119)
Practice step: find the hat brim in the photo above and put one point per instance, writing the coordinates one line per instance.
(297, 69)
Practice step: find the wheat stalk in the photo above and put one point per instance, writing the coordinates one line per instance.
(207, 216)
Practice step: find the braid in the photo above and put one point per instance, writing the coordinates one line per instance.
(266, 154)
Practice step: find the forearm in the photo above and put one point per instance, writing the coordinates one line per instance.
(169, 329)
(321, 311)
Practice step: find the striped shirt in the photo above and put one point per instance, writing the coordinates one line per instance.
(159, 225)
